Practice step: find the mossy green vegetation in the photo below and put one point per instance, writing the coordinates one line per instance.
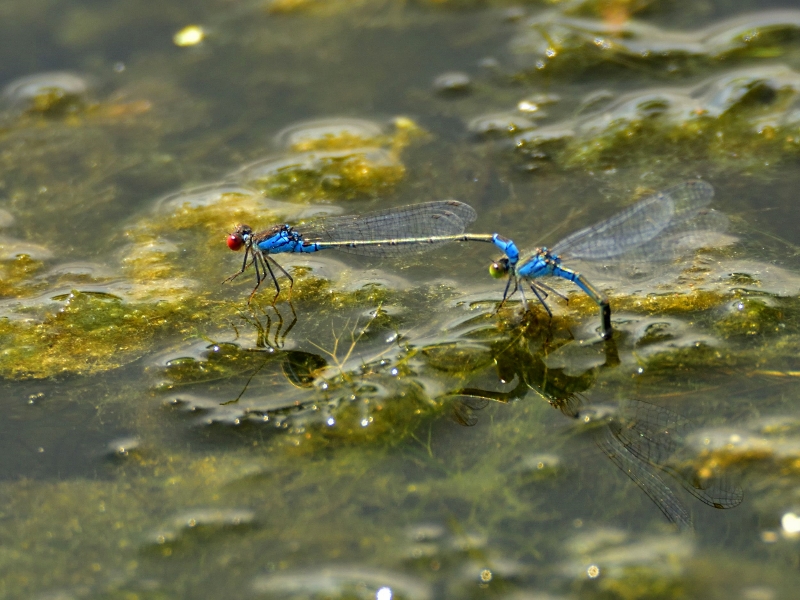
(558, 43)
(392, 427)
(741, 120)
(333, 164)
(89, 333)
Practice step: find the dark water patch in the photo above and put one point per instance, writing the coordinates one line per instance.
(51, 433)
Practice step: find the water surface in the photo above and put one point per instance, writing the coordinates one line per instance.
(390, 433)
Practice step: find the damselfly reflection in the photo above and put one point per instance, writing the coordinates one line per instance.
(269, 347)
(264, 327)
(523, 364)
(641, 439)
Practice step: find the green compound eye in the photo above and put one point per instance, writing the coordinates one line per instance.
(498, 269)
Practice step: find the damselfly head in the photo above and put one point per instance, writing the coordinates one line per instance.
(239, 237)
(499, 268)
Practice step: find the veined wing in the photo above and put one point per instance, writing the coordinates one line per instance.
(644, 476)
(672, 211)
(704, 230)
(653, 435)
(394, 231)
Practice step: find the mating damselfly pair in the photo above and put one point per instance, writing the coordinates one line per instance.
(660, 227)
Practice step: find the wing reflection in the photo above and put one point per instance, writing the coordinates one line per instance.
(642, 439)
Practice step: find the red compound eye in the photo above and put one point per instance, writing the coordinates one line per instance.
(235, 241)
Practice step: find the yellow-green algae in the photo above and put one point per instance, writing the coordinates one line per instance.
(88, 332)
(554, 42)
(745, 119)
(338, 166)
(339, 504)
(91, 332)
(135, 539)
(16, 274)
(120, 536)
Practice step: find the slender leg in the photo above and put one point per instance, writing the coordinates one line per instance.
(258, 277)
(539, 296)
(547, 288)
(282, 270)
(524, 299)
(244, 266)
(539, 290)
(506, 295)
(274, 279)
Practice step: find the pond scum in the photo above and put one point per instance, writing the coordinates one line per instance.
(365, 375)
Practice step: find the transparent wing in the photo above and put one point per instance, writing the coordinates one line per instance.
(464, 408)
(395, 231)
(654, 435)
(646, 478)
(684, 237)
(667, 214)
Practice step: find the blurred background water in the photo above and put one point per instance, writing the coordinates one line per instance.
(390, 434)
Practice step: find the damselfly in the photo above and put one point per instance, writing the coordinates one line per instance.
(385, 233)
(661, 227)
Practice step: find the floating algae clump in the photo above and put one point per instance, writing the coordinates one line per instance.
(333, 158)
(49, 94)
(16, 274)
(748, 116)
(90, 333)
(554, 43)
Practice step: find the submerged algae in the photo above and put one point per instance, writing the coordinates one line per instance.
(336, 158)
(92, 162)
(744, 120)
(90, 333)
(564, 45)
(233, 499)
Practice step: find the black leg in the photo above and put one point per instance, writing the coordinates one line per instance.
(545, 287)
(258, 276)
(539, 296)
(282, 270)
(605, 310)
(506, 295)
(244, 266)
(274, 279)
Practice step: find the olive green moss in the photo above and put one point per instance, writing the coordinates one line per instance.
(385, 409)
(559, 44)
(337, 167)
(743, 120)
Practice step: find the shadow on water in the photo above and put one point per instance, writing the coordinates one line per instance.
(641, 439)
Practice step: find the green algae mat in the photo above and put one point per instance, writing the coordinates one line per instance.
(388, 429)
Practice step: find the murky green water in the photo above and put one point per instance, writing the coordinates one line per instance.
(389, 434)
